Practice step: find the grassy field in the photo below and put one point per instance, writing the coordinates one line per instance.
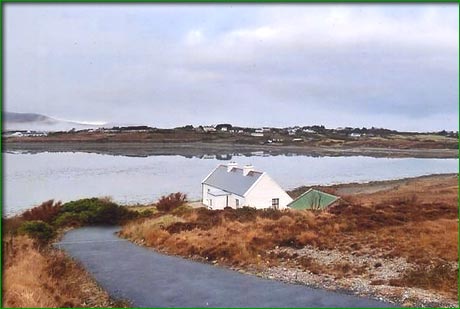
(411, 226)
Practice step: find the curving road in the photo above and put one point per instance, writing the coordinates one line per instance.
(150, 279)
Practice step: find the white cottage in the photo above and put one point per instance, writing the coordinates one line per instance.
(232, 186)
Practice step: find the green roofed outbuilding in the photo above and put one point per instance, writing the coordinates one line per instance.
(314, 200)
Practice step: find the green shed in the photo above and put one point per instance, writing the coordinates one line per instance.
(313, 199)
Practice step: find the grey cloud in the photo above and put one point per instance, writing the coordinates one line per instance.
(274, 66)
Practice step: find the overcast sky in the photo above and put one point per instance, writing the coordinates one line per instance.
(389, 65)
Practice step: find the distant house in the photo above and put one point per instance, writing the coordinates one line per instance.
(355, 134)
(313, 199)
(257, 134)
(233, 186)
(224, 127)
(209, 129)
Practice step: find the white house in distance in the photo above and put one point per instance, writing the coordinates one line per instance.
(233, 186)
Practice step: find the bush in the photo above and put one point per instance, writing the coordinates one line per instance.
(93, 211)
(38, 230)
(171, 201)
(46, 212)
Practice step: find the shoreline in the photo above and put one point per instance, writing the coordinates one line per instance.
(223, 151)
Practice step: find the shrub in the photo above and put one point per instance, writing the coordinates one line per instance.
(46, 212)
(171, 201)
(38, 230)
(93, 211)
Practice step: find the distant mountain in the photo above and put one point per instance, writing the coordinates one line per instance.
(38, 122)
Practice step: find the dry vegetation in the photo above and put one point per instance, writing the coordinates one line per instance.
(44, 277)
(415, 222)
(36, 274)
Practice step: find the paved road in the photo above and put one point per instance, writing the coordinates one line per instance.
(150, 279)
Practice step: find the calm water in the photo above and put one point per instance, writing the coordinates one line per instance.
(33, 178)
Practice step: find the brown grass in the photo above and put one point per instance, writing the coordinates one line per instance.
(414, 221)
(46, 278)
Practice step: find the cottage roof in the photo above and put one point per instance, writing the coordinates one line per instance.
(232, 181)
(313, 199)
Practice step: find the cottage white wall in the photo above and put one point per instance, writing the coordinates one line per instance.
(219, 202)
(232, 201)
(266, 189)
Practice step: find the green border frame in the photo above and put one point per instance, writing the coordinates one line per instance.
(229, 1)
(195, 2)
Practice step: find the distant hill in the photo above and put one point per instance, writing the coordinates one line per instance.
(26, 117)
(32, 121)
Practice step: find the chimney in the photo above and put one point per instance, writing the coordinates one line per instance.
(231, 165)
(247, 168)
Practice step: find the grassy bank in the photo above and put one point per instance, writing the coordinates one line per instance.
(45, 277)
(38, 275)
(394, 242)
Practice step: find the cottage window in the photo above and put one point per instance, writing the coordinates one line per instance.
(210, 202)
(275, 203)
(237, 203)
